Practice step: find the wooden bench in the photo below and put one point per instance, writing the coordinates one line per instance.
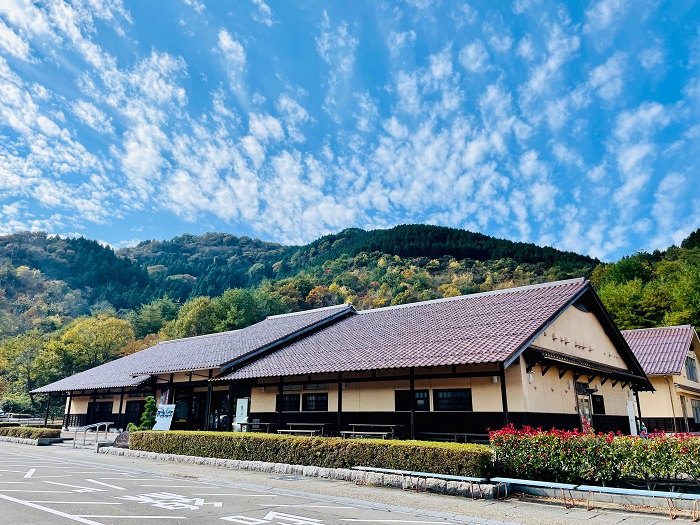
(299, 431)
(354, 434)
(564, 487)
(668, 496)
(425, 475)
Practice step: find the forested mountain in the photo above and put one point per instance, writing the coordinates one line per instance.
(68, 304)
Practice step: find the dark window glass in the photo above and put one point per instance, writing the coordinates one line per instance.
(403, 400)
(691, 369)
(315, 403)
(453, 400)
(598, 404)
(581, 388)
(316, 386)
(290, 402)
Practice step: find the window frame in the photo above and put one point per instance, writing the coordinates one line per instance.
(438, 401)
(285, 402)
(322, 396)
(398, 407)
(691, 368)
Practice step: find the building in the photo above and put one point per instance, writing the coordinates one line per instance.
(669, 357)
(545, 355)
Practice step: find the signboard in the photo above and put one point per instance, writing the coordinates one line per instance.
(632, 418)
(164, 416)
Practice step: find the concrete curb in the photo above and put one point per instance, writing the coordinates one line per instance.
(21, 441)
(341, 474)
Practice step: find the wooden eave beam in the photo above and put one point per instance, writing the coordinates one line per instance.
(545, 369)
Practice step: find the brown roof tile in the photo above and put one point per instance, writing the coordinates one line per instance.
(660, 351)
(481, 328)
(194, 353)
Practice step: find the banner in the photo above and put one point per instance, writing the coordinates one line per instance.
(164, 416)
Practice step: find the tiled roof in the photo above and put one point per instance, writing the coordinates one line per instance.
(660, 351)
(481, 328)
(214, 350)
(195, 353)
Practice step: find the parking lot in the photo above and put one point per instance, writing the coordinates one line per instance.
(38, 488)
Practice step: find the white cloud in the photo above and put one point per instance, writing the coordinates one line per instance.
(263, 14)
(608, 78)
(651, 58)
(641, 122)
(560, 49)
(525, 49)
(336, 46)
(91, 116)
(474, 57)
(398, 40)
(501, 43)
(603, 14)
(13, 44)
(265, 127)
(294, 115)
(235, 57)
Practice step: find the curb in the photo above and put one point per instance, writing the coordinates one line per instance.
(341, 474)
(21, 441)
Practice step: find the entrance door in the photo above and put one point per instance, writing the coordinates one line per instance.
(134, 410)
(99, 412)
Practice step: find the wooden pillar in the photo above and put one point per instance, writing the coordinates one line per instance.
(66, 418)
(207, 408)
(639, 407)
(121, 406)
(412, 395)
(229, 426)
(280, 389)
(504, 394)
(340, 402)
(48, 407)
(171, 394)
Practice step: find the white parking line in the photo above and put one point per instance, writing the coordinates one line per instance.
(79, 519)
(104, 484)
(136, 517)
(76, 502)
(30, 473)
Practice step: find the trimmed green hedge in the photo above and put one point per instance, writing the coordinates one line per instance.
(30, 432)
(443, 458)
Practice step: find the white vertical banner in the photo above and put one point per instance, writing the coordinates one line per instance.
(632, 418)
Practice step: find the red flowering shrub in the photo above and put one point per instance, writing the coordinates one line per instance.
(575, 456)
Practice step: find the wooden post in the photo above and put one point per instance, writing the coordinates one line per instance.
(639, 407)
(207, 408)
(504, 394)
(412, 394)
(121, 406)
(340, 401)
(171, 394)
(230, 408)
(66, 418)
(48, 406)
(280, 389)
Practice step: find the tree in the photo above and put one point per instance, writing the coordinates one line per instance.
(148, 418)
(197, 316)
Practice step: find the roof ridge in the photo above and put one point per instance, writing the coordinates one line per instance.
(480, 294)
(277, 316)
(657, 328)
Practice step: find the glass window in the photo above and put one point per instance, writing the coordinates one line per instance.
(316, 386)
(291, 388)
(581, 388)
(403, 400)
(453, 400)
(315, 403)
(695, 406)
(290, 402)
(691, 370)
(598, 404)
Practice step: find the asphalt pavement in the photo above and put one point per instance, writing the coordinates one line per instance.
(59, 485)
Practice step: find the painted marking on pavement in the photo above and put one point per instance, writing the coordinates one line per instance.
(44, 491)
(136, 517)
(30, 473)
(104, 484)
(75, 502)
(79, 519)
(78, 488)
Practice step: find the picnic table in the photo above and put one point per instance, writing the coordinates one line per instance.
(251, 427)
(304, 429)
(371, 430)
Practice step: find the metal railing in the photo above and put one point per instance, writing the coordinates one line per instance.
(95, 426)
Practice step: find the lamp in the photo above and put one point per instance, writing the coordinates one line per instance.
(494, 379)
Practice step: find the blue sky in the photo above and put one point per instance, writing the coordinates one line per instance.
(572, 124)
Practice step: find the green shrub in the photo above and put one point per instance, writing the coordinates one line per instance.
(443, 458)
(575, 457)
(30, 432)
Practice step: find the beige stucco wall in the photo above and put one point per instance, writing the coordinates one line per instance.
(580, 334)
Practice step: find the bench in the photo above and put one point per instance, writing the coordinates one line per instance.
(668, 496)
(425, 475)
(299, 431)
(564, 487)
(354, 434)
